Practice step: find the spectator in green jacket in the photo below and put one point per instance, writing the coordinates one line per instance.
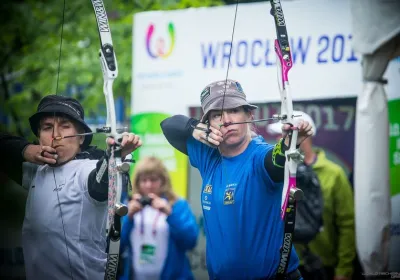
(335, 244)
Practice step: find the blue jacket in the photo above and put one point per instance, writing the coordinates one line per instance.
(183, 237)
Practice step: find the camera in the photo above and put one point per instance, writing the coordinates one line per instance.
(145, 200)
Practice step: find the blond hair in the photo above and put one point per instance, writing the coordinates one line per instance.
(153, 166)
(252, 126)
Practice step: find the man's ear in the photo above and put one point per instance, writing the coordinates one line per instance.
(81, 139)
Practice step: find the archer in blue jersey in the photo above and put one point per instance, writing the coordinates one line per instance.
(242, 184)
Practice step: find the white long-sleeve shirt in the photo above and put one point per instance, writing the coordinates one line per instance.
(44, 244)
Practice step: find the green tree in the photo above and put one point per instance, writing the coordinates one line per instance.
(30, 55)
(29, 60)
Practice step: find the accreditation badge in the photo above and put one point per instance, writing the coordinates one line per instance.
(147, 254)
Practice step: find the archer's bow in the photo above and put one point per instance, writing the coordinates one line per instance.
(290, 194)
(116, 167)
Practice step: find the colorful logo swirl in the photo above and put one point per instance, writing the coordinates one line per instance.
(160, 47)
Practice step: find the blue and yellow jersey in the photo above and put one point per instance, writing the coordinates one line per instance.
(241, 208)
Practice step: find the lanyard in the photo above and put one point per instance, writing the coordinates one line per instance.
(154, 231)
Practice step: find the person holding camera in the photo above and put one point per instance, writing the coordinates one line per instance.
(159, 228)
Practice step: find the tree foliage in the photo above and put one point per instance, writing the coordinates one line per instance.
(30, 53)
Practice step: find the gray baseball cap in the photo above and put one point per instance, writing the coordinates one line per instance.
(212, 97)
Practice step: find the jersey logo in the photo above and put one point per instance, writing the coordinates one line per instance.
(206, 198)
(229, 196)
(208, 189)
(204, 94)
(59, 188)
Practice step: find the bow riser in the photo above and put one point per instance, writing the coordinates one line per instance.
(284, 66)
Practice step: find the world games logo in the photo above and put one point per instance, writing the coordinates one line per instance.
(157, 48)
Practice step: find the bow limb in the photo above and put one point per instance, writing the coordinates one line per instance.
(116, 167)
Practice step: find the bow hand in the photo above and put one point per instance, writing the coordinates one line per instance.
(127, 144)
(304, 130)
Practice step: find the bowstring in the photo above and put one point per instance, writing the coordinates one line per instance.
(60, 51)
(227, 70)
(223, 167)
(229, 58)
(53, 138)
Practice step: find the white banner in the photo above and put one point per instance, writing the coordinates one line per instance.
(170, 69)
